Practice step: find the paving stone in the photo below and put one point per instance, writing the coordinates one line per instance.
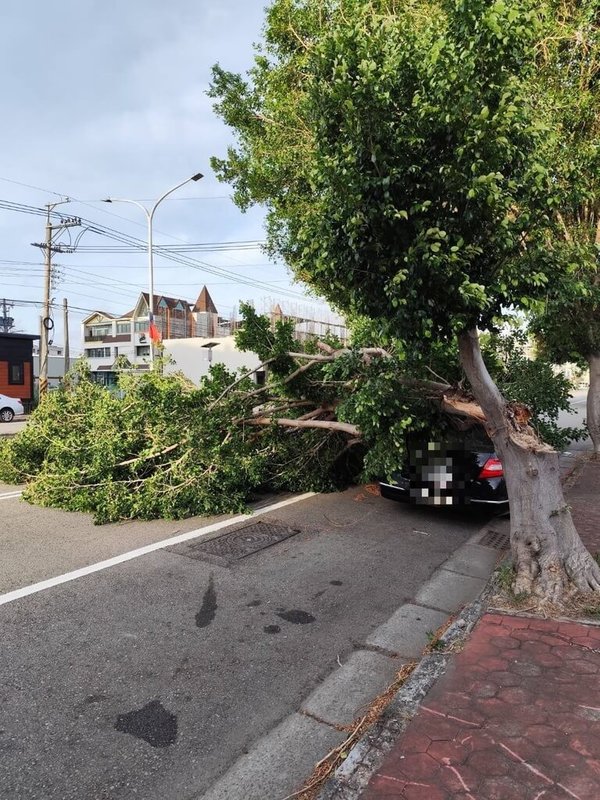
(405, 632)
(449, 591)
(279, 763)
(514, 733)
(522, 698)
(347, 692)
(474, 560)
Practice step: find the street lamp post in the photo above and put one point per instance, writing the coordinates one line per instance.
(149, 212)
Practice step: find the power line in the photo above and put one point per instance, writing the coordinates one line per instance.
(179, 258)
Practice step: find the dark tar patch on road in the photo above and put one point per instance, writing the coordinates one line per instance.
(152, 723)
(209, 605)
(296, 616)
(271, 629)
(94, 698)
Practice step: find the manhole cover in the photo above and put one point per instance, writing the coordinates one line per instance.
(237, 544)
(495, 539)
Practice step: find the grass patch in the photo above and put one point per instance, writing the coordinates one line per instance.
(505, 576)
(435, 643)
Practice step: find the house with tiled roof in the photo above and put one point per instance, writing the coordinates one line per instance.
(107, 337)
(193, 335)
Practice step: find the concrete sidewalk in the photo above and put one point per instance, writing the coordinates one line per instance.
(516, 715)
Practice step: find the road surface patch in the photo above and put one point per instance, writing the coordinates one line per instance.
(152, 723)
(34, 588)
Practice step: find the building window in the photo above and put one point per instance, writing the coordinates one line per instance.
(144, 350)
(101, 330)
(123, 327)
(98, 352)
(104, 378)
(141, 325)
(16, 374)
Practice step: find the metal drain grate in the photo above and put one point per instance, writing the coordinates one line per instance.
(495, 539)
(237, 544)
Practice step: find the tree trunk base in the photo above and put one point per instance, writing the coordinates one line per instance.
(550, 559)
(554, 579)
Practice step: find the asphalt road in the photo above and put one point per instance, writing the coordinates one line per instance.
(148, 678)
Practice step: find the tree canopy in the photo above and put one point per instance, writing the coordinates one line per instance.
(398, 153)
(567, 98)
(404, 152)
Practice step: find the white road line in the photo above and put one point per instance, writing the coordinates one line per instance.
(34, 588)
(10, 495)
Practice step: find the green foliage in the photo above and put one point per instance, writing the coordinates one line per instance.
(161, 447)
(159, 451)
(396, 149)
(566, 93)
(270, 343)
(567, 324)
(534, 382)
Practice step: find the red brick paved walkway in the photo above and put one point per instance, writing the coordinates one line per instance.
(515, 717)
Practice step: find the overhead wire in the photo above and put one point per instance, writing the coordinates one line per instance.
(140, 244)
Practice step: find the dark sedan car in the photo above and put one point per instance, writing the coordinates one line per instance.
(460, 470)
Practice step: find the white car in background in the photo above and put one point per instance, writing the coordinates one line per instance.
(9, 407)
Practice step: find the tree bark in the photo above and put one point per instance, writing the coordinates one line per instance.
(593, 402)
(547, 552)
(328, 425)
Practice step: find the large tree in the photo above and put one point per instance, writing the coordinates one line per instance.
(396, 148)
(567, 96)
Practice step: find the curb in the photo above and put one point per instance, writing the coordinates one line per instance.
(351, 778)
(353, 775)
(283, 758)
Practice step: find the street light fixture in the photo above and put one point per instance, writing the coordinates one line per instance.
(149, 212)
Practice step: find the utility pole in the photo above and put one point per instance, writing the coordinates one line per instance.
(46, 316)
(47, 322)
(66, 332)
(6, 323)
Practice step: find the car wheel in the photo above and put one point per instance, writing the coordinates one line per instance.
(6, 414)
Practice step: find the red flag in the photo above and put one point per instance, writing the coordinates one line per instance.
(154, 333)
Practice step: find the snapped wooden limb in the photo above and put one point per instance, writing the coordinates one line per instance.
(330, 425)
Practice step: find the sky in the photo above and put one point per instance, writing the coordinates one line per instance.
(107, 98)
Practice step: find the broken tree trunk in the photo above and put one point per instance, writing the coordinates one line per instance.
(547, 552)
(593, 402)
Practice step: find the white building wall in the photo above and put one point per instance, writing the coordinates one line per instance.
(56, 369)
(193, 357)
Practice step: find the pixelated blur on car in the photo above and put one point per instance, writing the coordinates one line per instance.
(459, 470)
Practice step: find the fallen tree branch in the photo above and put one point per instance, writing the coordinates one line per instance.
(289, 378)
(344, 427)
(435, 374)
(150, 455)
(454, 404)
(260, 411)
(326, 348)
(312, 414)
(343, 351)
(239, 380)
